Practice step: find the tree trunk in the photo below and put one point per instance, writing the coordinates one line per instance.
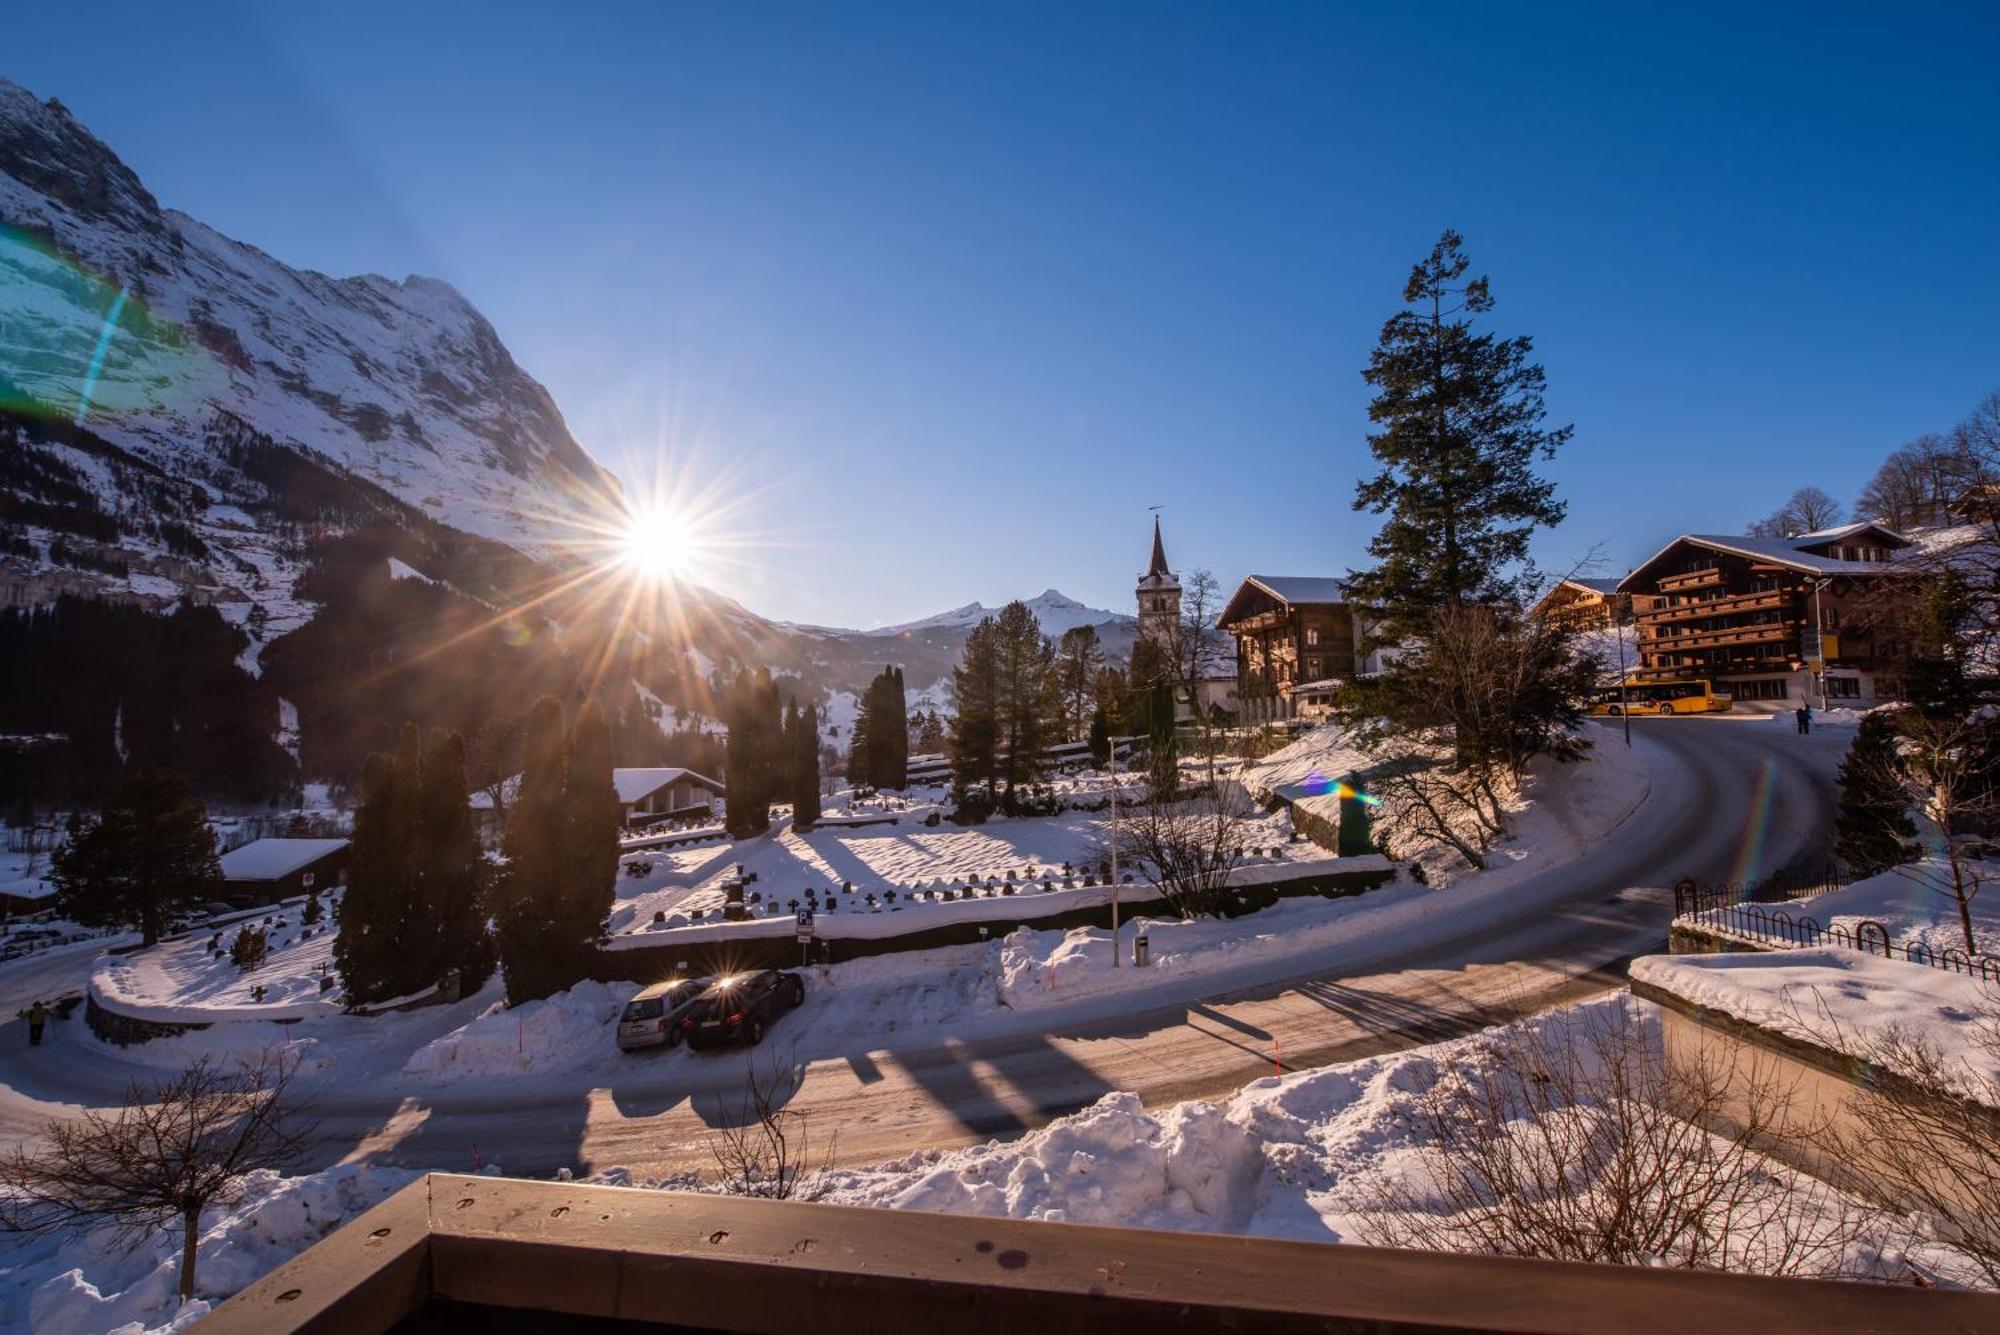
(190, 1235)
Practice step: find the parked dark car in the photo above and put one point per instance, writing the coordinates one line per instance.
(739, 1007)
(653, 1018)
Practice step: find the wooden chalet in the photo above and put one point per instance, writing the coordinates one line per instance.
(1765, 618)
(1296, 641)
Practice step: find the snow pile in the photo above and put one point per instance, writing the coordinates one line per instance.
(73, 1285)
(181, 982)
(1191, 1167)
(1845, 1000)
(563, 1032)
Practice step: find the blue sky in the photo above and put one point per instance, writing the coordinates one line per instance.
(954, 295)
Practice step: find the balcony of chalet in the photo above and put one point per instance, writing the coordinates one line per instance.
(497, 1256)
(1727, 605)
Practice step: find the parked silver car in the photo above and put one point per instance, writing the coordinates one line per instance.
(653, 1018)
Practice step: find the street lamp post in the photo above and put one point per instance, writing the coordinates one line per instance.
(1819, 644)
(1624, 698)
(1114, 852)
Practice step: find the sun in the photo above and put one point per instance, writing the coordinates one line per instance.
(659, 543)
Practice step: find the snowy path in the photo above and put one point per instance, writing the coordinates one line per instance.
(1728, 799)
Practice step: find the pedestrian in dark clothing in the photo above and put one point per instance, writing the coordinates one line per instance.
(38, 1020)
(1805, 719)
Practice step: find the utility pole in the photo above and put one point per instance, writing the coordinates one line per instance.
(1819, 647)
(1624, 700)
(1114, 851)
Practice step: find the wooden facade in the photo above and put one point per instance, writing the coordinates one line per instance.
(1291, 633)
(1585, 604)
(1766, 618)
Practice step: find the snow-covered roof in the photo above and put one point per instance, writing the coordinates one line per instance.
(633, 784)
(1302, 588)
(32, 887)
(1782, 551)
(269, 859)
(1607, 587)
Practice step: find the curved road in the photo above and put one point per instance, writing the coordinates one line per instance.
(1730, 797)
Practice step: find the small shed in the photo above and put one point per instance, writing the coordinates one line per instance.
(663, 792)
(265, 870)
(31, 894)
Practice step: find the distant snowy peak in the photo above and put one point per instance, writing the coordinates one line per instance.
(144, 323)
(1054, 610)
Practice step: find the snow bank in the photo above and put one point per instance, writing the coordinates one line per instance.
(74, 1285)
(1845, 1000)
(1914, 903)
(565, 1032)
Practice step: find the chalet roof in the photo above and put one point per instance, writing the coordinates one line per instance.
(633, 785)
(1782, 551)
(270, 859)
(1607, 587)
(1293, 590)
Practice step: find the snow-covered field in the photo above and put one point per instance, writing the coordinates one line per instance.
(183, 981)
(1914, 903)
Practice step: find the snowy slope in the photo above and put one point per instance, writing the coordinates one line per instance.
(403, 383)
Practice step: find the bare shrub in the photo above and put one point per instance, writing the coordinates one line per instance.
(1186, 846)
(1572, 1138)
(1932, 1141)
(175, 1148)
(766, 1149)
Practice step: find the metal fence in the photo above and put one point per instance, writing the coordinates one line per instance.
(1778, 888)
(1764, 923)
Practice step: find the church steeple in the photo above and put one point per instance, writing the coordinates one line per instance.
(1159, 595)
(1159, 565)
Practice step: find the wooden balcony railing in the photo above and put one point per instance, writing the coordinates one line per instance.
(1727, 605)
(500, 1256)
(1692, 579)
(1768, 633)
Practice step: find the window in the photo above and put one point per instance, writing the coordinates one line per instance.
(1312, 669)
(1312, 635)
(1843, 688)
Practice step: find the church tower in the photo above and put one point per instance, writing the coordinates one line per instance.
(1159, 596)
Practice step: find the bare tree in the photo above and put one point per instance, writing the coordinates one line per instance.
(175, 1148)
(1918, 483)
(1187, 845)
(1572, 1138)
(766, 1149)
(1941, 765)
(1809, 510)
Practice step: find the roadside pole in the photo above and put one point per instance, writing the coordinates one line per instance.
(1114, 852)
(1624, 702)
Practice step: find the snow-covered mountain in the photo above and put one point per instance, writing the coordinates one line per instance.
(143, 324)
(1054, 611)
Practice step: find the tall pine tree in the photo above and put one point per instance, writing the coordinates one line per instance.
(1459, 423)
(1872, 829)
(452, 866)
(535, 848)
(148, 854)
(1029, 712)
(374, 950)
(592, 818)
(975, 724)
(805, 768)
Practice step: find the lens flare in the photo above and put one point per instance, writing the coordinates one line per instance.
(661, 544)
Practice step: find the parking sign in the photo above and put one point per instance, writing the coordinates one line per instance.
(805, 921)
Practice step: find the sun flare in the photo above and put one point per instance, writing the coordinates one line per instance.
(659, 544)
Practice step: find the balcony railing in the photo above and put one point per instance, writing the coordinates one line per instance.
(1691, 579)
(1726, 605)
(503, 1256)
(1771, 632)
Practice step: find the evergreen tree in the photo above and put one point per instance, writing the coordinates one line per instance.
(975, 724)
(1100, 737)
(1028, 710)
(452, 867)
(861, 739)
(894, 771)
(148, 854)
(805, 768)
(747, 764)
(535, 852)
(1079, 657)
(1459, 422)
(592, 819)
(1872, 829)
(1163, 768)
(373, 912)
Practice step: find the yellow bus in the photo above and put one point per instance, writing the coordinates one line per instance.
(1661, 697)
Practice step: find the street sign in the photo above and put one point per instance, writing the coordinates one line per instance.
(805, 924)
